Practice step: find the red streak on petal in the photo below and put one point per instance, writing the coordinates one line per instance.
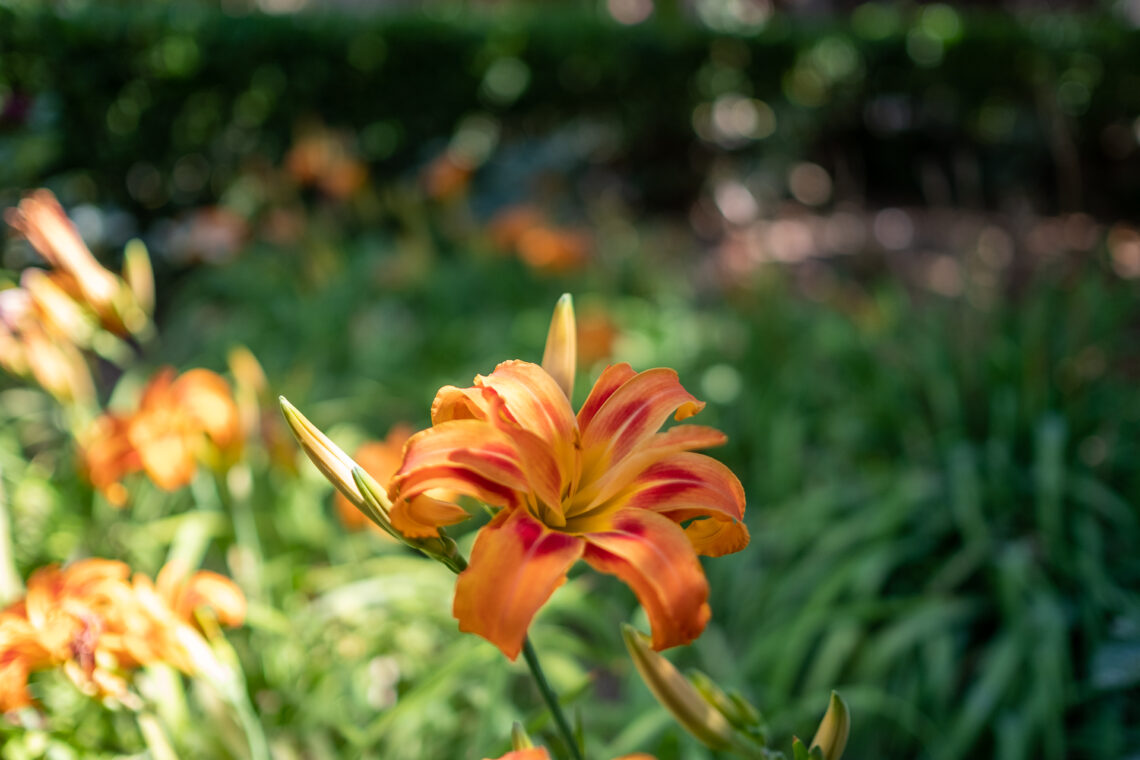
(664, 491)
(670, 472)
(632, 527)
(529, 533)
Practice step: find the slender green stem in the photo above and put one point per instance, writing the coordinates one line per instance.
(155, 737)
(10, 585)
(237, 504)
(254, 733)
(551, 700)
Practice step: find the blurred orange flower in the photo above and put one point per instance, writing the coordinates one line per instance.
(446, 177)
(326, 159)
(603, 486)
(597, 333)
(30, 348)
(180, 422)
(120, 305)
(93, 621)
(547, 249)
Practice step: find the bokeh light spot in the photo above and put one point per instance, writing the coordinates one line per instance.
(810, 184)
(630, 11)
(506, 79)
(721, 384)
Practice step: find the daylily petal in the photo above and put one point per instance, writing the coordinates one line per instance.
(651, 554)
(41, 219)
(688, 486)
(539, 461)
(560, 359)
(423, 516)
(612, 378)
(715, 537)
(623, 473)
(167, 458)
(207, 398)
(184, 592)
(467, 456)
(157, 389)
(515, 566)
(533, 399)
(632, 414)
(453, 403)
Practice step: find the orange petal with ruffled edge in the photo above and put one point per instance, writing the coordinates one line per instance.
(533, 399)
(633, 413)
(612, 378)
(543, 471)
(452, 403)
(688, 486)
(423, 516)
(467, 456)
(516, 564)
(651, 554)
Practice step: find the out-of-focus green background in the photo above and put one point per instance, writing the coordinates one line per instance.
(894, 246)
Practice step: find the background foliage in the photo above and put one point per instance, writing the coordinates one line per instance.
(937, 432)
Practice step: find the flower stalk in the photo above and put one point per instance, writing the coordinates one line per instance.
(551, 700)
(10, 585)
(157, 742)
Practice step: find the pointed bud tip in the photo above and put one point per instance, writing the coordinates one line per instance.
(560, 357)
(333, 463)
(519, 737)
(831, 736)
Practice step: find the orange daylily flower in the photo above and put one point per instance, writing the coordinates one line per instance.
(92, 620)
(179, 422)
(603, 486)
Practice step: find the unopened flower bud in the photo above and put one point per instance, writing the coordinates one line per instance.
(831, 736)
(333, 463)
(677, 694)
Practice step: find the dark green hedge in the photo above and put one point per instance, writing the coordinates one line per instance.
(1041, 108)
